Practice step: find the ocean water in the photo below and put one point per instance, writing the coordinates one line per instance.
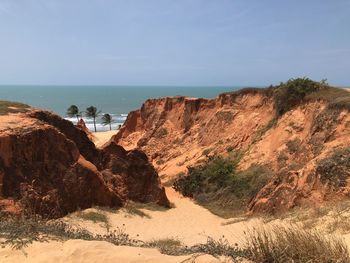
(115, 100)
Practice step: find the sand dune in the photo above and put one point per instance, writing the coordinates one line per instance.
(79, 251)
(188, 222)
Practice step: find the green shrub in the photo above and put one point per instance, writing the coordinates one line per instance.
(335, 169)
(289, 94)
(293, 145)
(209, 177)
(219, 187)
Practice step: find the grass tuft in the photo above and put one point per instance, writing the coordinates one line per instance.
(292, 244)
(7, 107)
(95, 217)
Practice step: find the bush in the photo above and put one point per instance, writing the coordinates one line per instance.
(218, 186)
(335, 169)
(289, 94)
(294, 145)
(209, 177)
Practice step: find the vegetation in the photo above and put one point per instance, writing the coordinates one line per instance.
(95, 217)
(107, 120)
(92, 112)
(73, 111)
(336, 97)
(275, 245)
(289, 94)
(293, 146)
(135, 210)
(7, 107)
(19, 232)
(334, 169)
(166, 245)
(161, 132)
(292, 244)
(218, 185)
(261, 131)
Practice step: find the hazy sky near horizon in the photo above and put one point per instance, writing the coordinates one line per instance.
(173, 42)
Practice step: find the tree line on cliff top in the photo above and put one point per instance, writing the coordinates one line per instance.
(91, 112)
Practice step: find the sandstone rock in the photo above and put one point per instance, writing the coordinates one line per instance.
(50, 167)
(178, 132)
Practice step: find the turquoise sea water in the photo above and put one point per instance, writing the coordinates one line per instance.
(115, 100)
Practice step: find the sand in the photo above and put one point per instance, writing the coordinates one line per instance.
(79, 251)
(188, 222)
(100, 138)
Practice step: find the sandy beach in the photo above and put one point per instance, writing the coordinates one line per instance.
(100, 138)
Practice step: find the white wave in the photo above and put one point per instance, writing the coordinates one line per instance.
(89, 122)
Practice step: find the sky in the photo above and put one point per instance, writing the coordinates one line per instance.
(173, 42)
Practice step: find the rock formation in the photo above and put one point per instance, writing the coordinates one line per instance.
(50, 167)
(178, 132)
(81, 125)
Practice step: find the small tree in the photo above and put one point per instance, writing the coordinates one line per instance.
(92, 113)
(107, 120)
(73, 111)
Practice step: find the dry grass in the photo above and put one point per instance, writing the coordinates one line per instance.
(20, 232)
(7, 107)
(336, 97)
(96, 217)
(292, 244)
(166, 245)
(134, 210)
(278, 244)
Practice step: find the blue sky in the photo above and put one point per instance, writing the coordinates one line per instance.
(173, 42)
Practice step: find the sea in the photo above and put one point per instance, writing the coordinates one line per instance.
(118, 101)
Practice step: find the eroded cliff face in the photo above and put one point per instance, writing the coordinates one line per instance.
(302, 149)
(178, 132)
(50, 167)
(298, 146)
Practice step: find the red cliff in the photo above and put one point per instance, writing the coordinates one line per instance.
(50, 167)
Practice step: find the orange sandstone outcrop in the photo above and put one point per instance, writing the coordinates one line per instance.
(177, 132)
(50, 167)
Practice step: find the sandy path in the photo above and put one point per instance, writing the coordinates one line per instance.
(188, 222)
